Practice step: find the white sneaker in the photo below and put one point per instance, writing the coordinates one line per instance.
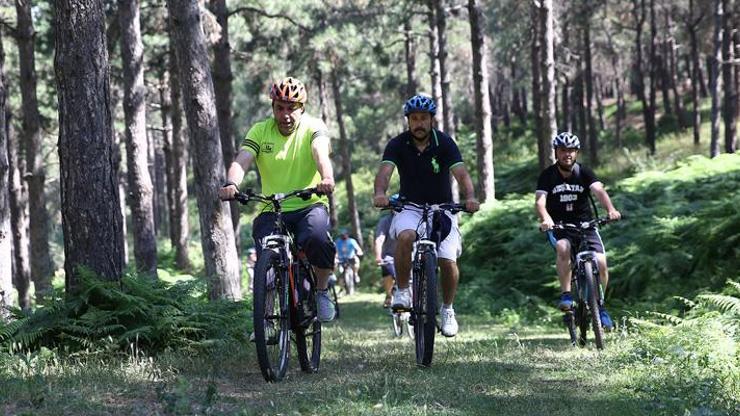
(449, 323)
(401, 299)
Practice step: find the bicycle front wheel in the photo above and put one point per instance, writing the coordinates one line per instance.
(396, 324)
(593, 304)
(349, 279)
(425, 308)
(335, 298)
(271, 316)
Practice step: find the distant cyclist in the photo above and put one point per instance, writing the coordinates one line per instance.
(563, 193)
(385, 248)
(426, 158)
(348, 252)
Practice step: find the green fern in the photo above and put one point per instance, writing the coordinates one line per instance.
(154, 316)
(724, 303)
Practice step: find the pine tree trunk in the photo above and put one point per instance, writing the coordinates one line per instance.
(537, 93)
(714, 80)
(516, 104)
(346, 160)
(696, 74)
(593, 149)
(41, 263)
(324, 110)
(176, 155)
(140, 188)
(579, 98)
(599, 96)
(412, 84)
(638, 12)
(565, 109)
(448, 116)
(6, 231)
(650, 128)
(549, 89)
(434, 70)
(222, 80)
(216, 230)
(122, 186)
(446, 110)
(160, 186)
(484, 141)
(115, 99)
(664, 79)
(19, 218)
(621, 112)
(494, 103)
(91, 216)
(673, 72)
(730, 93)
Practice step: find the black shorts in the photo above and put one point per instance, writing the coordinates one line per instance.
(388, 269)
(310, 227)
(592, 238)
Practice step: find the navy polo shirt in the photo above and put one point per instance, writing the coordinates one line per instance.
(424, 175)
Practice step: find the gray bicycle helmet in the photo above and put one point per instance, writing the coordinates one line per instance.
(567, 140)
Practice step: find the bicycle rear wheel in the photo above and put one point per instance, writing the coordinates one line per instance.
(593, 305)
(425, 308)
(570, 322)
(308, 346)
(271, 315)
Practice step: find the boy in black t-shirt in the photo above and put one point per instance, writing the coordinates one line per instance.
(562, 195)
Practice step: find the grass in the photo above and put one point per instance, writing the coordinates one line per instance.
(490, 368)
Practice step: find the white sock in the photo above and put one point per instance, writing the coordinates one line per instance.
(446, 306)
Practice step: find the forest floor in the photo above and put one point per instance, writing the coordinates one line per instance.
(488, 369)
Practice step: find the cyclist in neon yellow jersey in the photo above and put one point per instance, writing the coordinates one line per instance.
(291, 151)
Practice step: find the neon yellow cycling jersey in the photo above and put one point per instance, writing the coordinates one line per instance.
(286, 163)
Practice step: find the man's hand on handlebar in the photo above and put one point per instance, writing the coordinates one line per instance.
(326, 186)
(614, 215)
(227, 191)
(472, 205)
(546, 224)
(381, 201)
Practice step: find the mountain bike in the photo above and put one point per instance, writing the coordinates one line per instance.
(423, 312)
(348, 275)
(586, 288)
(284, 295)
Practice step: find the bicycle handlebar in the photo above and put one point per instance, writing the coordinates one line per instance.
(454, 208)
(249, 195)
(584, 225)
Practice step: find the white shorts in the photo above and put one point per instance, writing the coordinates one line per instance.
(408, 219)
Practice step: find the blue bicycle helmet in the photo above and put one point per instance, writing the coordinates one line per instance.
(419, 103)
(567, 140)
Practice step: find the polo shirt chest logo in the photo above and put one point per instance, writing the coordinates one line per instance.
(268, 147)
(435, 164)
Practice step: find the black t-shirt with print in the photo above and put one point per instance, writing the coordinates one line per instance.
(567, 199)
(424, 175)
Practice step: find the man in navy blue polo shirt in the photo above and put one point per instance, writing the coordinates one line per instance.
(425, 157)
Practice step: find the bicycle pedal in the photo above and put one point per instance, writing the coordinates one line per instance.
(397, 309)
